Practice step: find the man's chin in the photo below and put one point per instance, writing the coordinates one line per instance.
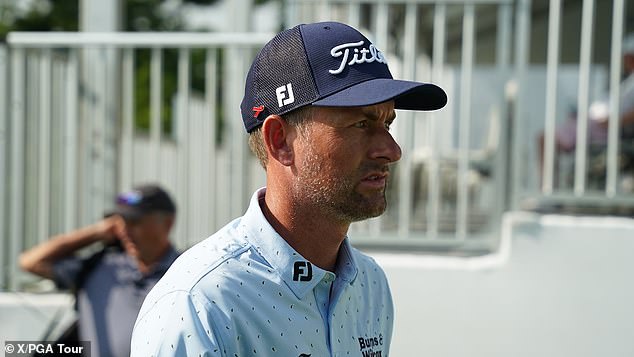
(371, 208)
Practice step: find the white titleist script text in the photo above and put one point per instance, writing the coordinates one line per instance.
(360, 55)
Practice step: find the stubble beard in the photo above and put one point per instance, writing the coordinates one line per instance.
(336, 196)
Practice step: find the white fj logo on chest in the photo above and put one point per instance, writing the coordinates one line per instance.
(285, 95)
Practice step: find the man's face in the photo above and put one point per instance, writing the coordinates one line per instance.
(342, 161)
(146, 229)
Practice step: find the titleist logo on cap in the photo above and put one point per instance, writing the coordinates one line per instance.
(360, 55)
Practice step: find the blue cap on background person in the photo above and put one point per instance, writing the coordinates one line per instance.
(326, 64)
(141, 200)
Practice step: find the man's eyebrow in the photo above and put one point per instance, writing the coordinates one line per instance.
(373, 115)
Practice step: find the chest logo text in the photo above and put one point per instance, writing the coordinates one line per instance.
(371, 346)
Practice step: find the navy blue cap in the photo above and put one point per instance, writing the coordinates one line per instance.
(141, 200)
(326, 64)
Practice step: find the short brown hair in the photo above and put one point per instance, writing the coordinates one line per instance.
(296, 118)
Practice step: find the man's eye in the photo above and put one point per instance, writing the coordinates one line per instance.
(361, 124)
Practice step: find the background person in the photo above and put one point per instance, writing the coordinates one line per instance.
(566, 132)
(113, 283)
(283, 279)
(626, 104)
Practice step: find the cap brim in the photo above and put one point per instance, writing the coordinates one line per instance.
(125, 212)
(406, 95)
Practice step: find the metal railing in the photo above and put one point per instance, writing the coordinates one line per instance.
(591, 178)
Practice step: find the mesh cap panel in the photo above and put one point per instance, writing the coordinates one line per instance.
(279, 75)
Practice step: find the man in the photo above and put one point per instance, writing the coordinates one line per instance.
(283, 279)
(112, 284)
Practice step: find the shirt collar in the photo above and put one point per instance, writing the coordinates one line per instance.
(166, 261)
(346, 265)
(297, 272)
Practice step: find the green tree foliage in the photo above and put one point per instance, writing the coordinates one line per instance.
(41, 16)
(63, 15)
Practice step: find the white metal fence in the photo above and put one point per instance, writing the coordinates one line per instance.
(72, 142)
(592, 180)
(68, 141)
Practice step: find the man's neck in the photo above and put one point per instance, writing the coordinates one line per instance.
(311, 234)
(151, 256)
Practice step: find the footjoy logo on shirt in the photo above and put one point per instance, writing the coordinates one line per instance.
(302, 271)
(371, 346)
(359, 56)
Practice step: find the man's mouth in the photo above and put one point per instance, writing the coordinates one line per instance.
(375, 180)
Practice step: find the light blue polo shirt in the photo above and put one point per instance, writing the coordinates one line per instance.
(245, 292)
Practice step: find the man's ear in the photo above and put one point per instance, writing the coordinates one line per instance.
(278, 136)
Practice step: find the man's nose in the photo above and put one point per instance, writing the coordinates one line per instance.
(385, 147)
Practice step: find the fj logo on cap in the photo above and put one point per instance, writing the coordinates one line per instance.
(360, 55)
(302, 271)
(285, 95)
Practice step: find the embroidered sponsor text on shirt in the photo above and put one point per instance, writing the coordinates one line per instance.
(360, 55)
(371, 346)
